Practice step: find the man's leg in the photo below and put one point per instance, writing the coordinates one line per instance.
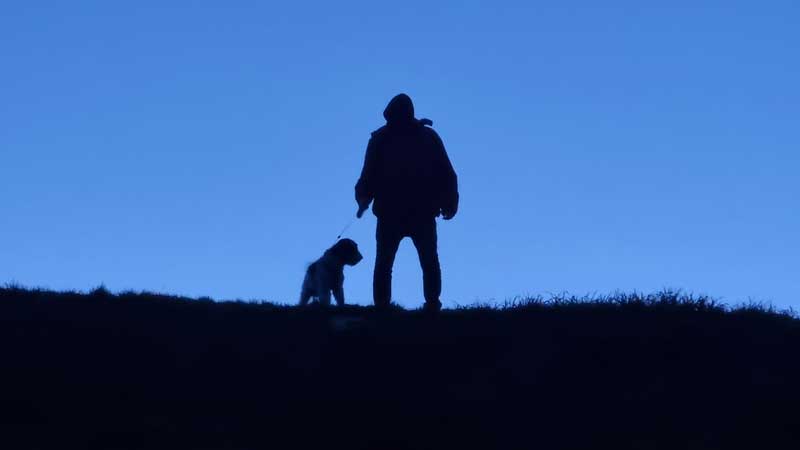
(424, 237)
(388, 239)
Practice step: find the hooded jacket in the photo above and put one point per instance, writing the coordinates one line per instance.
(406, 171)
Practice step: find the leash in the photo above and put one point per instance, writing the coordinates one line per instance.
(345, 228)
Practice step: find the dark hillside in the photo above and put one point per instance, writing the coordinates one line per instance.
(146, 371)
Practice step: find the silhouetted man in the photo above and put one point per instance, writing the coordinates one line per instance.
(409, 176)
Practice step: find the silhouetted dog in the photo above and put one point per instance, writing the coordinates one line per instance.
(326, 274)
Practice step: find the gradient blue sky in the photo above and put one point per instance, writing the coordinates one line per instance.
(200, 148)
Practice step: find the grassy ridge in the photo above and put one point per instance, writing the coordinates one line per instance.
(139, 370)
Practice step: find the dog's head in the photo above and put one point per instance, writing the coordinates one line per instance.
(347, 251)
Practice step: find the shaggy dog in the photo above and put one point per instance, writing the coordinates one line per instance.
(326, 274)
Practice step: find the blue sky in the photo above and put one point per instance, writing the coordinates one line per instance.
(200, 148)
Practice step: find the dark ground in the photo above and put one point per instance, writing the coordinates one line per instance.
(136, 371)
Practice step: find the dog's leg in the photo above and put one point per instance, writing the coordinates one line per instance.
(305, 296)
(306, 291)
(338, 294)
(323, 288)
(325, 297)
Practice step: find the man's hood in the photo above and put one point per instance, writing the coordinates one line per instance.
(399, 110)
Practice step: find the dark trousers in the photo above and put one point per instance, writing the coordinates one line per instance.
(422, 232)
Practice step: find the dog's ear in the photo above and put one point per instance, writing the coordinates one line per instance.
(347, 250)
(341, 249)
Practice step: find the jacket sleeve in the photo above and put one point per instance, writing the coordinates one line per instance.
(448, 179)
(365, 187)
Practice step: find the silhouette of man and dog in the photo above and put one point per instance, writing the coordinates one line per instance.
(409, 180)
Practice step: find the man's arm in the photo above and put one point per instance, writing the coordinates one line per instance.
(448, 181)
(365, 187)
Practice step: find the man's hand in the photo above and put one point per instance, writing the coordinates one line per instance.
(361, 210)
(448, 214)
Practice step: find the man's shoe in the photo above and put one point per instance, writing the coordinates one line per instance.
(382, 308)
(432, 307)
